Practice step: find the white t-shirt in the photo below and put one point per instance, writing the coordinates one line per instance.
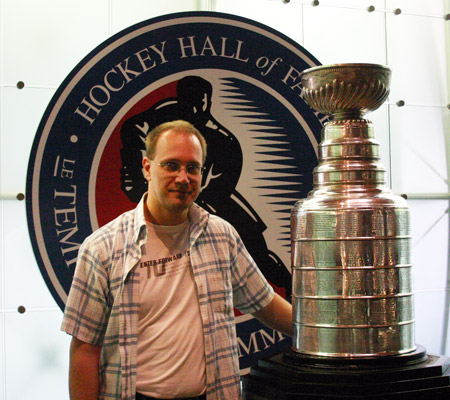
(170, 351)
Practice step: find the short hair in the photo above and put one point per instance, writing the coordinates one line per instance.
(177, 126)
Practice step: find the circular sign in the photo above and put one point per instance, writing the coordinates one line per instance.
(237, 81)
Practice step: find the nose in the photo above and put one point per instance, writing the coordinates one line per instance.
(182, 175)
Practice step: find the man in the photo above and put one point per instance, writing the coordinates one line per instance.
(151, 304)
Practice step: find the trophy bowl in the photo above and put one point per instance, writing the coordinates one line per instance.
(346, 91)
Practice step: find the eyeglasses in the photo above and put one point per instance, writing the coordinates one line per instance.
(172, 167)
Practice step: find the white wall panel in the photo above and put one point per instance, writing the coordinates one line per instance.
(432, 310)
(23, 110)
(445, 348)
(344, 35)
(36, 356)
(45, 39)
(416, 55)
(430, 7)
(430, 250)
(24, 285)
(284, 17)
(419, 162)
(2, 355)
(130, 12)
(361, 4)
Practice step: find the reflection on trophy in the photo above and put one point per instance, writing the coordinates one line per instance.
(351, 262)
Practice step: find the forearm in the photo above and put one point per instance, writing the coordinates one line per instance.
(277, 314)
(83, 371)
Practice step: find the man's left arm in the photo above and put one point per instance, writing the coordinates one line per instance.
(277, 315)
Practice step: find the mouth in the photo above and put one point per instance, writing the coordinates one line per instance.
(180, 191)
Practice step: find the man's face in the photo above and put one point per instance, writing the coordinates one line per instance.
(170, 193)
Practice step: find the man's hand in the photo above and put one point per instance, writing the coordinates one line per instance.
(277, 314)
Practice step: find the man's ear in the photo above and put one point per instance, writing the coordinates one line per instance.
(146, 164)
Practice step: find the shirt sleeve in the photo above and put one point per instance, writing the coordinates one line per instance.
(86, 311)
(251, 291)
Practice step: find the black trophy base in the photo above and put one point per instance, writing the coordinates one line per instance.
(291, 376)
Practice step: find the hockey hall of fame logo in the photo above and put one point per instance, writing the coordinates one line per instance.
(238, 82)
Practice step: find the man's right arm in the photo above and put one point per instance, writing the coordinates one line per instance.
(83, 371)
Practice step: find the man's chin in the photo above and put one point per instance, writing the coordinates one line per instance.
(182, 202)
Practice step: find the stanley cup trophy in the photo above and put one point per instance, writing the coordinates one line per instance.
(351, 264)
(352, 284)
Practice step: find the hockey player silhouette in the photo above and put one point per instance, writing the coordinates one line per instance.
(223, 168)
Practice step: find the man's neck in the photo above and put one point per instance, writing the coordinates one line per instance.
(164, 218)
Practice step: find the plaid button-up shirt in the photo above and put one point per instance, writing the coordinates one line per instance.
(103, 303)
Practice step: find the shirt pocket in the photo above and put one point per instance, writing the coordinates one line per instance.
(219, 291)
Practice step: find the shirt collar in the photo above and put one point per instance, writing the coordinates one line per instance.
(140, 227)
(198, 215)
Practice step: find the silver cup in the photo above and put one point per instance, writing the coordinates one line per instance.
(351, 256)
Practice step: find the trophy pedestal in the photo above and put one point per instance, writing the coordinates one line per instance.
(291, 376)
